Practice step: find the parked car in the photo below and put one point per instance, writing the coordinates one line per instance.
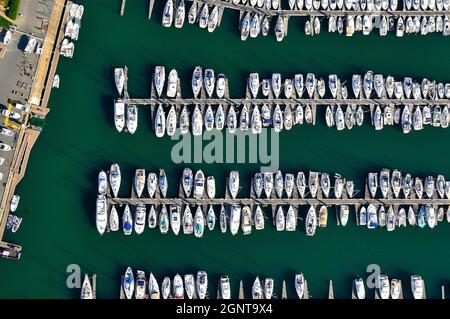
(2, 160)
(11, 114)
(25, 108)
(6, 131)
(4, 147)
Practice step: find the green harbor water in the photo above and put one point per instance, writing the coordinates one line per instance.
(59, 189)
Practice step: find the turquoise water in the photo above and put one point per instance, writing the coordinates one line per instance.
(58, 192)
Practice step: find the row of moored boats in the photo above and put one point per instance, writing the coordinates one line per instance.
(192, 286)
(409, 117)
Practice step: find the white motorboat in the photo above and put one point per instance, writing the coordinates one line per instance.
(235, 219)
(115, 179)
(209, 81)
(279, 184)
(199, 185)
(268, 184)
(383, 286)
(233, 183)
(299, 84)
(244, 118)
(167, 16)
(255, 121)
(223, 219)
(139, 219)
(277, 120)
(165, 287)
(197, 122)
(193, 13)
(257, 291)
(152, 184)
(211, 218)
(339, 118)
(325, 184)
(231, 120)
(276, 84)
(280, 220)
(86, 289)
(127, 221)
(258, 184)
(372, 182)
(255, 25)
(159, 78)
(280, 31)
(390, 219)
(119, 79)
(359, 117)
(372, 217)
(412, 220)
(187, 181)
(162, 183)
(220, 118)
(175, 218)
(178, 287)
(258, 218)
(363, 216)
(101, 214)
(180, 14)
(201, 284)
(313, 183)
(359, 288)
(160, 122)
(172, 83)
(199, 223)
(102, 190)
(141, 285)
(113, 219)
(245, 26)
(209, 118)
(128, 283)
(300, 285)
(344, 212)
(220, 85)
(132, 118)
(246, 220)
(213, 19)
(211, 187)
(203, 17)
(430, 215)
(224, 287)
(139, 181)
(289, 184)
(119, 114)
(396, 182)
(189, 285)
(253, 84)
(300, 182)
(311, 221)
(164, 220)
(152, 218)
(356, 85)
(291, 219)
(417, 287)
(188, 221)
(197, 78)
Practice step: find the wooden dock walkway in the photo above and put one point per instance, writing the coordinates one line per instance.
(283, 101)
(278, 201)
(319, 13)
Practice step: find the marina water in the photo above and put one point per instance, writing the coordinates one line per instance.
(59, 190)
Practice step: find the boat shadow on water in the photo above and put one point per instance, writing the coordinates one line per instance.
(107, 105)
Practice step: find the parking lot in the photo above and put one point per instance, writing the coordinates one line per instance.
(17, 71)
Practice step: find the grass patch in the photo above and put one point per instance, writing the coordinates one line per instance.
(4, 23)
(13, 9)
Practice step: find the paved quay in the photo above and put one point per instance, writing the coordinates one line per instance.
(29, 82)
